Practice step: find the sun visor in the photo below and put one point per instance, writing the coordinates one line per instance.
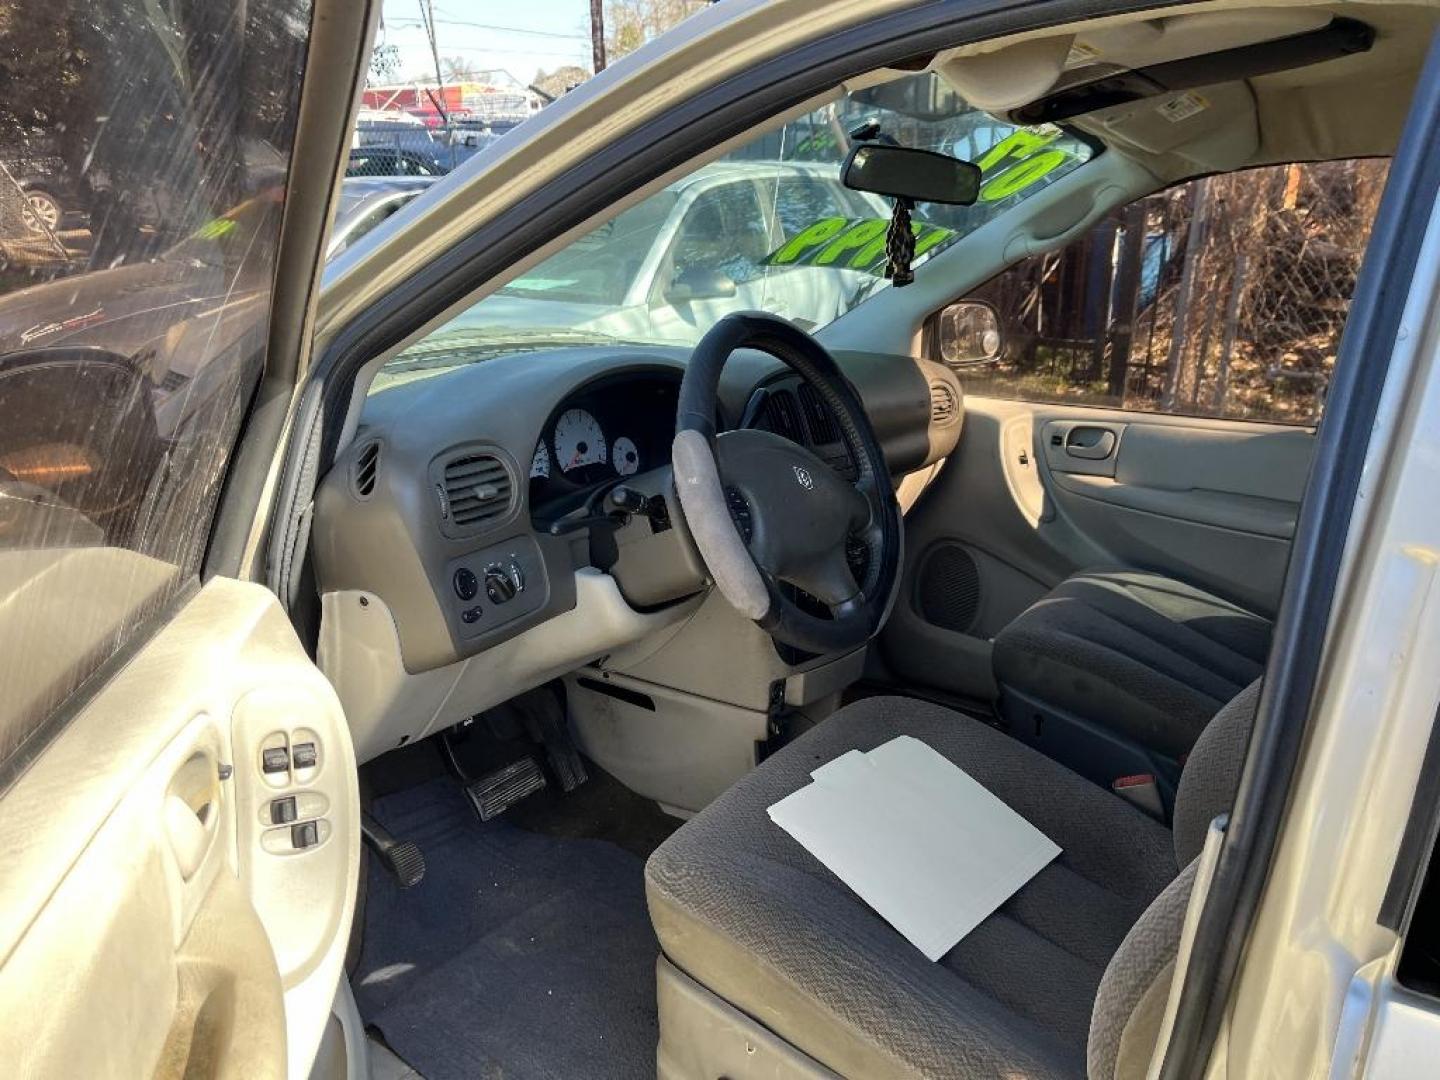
(1004, 79)
(1008, 78)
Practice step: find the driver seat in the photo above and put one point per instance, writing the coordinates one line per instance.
(772, 966)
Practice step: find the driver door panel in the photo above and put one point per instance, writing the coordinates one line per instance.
(152, 920)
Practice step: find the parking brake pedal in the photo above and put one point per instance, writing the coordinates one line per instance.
(401, 857)
(496, 792)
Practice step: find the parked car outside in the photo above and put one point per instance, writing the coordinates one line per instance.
(366, 201)
(55, 198)
(665, 269)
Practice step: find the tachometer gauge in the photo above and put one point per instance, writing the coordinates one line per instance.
(540, 463)
(578, 440)
(625, 456)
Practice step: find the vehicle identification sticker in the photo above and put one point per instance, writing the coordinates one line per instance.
(850, 244)
(1183, 107)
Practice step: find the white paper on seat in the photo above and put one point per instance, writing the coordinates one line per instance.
(919, 840)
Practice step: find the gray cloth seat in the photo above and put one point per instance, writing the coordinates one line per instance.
(1143, 656)
(745, 911)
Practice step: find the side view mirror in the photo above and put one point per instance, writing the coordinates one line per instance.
(903, 172)
(699, 283)
(968, 334)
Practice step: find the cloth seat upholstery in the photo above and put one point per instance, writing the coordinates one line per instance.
(744, 910)
(1143, 655)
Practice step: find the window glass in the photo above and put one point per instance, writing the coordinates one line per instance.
(143, 153)
(723, 230)
(770, 226)
(1223, 297)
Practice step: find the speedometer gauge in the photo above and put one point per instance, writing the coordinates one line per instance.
(540, 463)
(578, 440)
(625, 456)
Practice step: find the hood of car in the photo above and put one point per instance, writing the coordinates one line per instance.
(140, 312)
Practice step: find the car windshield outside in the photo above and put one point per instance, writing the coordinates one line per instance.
(770, 226)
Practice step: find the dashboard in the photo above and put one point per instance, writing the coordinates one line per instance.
(464, 547)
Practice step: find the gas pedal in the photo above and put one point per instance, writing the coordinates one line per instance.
(492, 795)
(545, 719)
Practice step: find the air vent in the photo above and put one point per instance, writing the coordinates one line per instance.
(475, 489)
(365, 470)
(782, 416)
(944, 403)
(824, 431)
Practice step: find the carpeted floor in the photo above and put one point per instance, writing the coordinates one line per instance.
(526, 951)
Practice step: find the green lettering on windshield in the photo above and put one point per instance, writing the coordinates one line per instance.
(1022, 158)
(807, 238)
(851, 244)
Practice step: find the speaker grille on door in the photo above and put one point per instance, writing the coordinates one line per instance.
(948, 588)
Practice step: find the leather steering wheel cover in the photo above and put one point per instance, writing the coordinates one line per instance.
(699, 390)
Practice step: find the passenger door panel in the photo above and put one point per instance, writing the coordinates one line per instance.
(1037, 491)
(152, 920)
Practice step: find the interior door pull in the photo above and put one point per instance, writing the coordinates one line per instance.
(1091, 443)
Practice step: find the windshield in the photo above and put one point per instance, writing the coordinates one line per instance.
(768, 227)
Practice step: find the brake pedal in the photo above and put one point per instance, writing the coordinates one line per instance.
(402, 858)
(496, 792)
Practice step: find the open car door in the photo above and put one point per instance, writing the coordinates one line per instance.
(179, 815)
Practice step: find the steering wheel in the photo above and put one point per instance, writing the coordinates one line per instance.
(765, 511)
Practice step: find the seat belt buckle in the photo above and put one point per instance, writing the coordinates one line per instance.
(1141, 791)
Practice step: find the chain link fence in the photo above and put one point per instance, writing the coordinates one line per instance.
(1225, 296)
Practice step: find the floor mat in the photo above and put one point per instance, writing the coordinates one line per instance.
(520, 955)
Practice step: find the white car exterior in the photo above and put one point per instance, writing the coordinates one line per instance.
(620, 281)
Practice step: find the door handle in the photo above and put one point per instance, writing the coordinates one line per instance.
(192, 812)
(1090, 443)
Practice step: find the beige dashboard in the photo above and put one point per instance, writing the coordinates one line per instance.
(453, 577)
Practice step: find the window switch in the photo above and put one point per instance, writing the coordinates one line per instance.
(304, 835)
(305, 755)
(282, 811)
(274, 759)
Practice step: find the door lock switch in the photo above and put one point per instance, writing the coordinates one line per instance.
(304, 835)
(283, 811)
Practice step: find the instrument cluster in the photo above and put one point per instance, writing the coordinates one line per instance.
(606, 431)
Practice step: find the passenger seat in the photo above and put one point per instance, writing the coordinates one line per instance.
(1117, 672)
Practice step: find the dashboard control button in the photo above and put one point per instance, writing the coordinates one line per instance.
(282, 811)
(517, 577)
(498, 586)
(470, 615)
(275, 759)
(306, 755)
(304, 835)
(466, 584)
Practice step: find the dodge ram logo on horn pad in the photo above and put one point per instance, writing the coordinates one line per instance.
(803, 476)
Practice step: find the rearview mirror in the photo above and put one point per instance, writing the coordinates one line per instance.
(700, 283)
(902, 172)
(968, 333)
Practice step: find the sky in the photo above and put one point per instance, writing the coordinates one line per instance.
(519, 36)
